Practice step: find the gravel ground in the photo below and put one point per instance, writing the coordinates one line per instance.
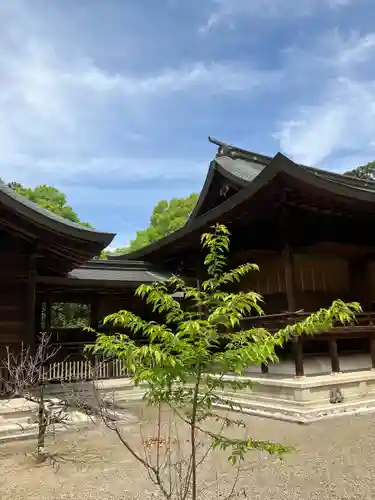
(334, 460)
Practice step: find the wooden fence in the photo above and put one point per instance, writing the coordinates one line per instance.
(84, 370)
(68, 371)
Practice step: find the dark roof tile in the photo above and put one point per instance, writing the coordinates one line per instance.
(119, 271)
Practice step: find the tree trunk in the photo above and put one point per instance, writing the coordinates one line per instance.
(42, 426)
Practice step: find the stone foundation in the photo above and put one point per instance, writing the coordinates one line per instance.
(302, 400)
(307, 399)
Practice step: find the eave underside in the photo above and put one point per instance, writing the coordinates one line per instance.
(55, 253)
(219, 186)
(315, 215)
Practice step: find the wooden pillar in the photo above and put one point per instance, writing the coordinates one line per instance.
(290, 283)
(48, 318)
(298, 355)
(372, 351)
(94, 313)
(38, 317)
(30, 314)
(288, 262)
(297, 346)
(264, 368)
(334, 355)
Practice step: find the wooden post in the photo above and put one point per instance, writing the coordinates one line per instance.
(334, 355)
(38, 317)
(298, 356)
(48, 318)
(94, 313)
(288, 262)
(297, 346)
(264, 368)
(372, 351)
(30, 315)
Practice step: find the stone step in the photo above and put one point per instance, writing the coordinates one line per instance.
(299, 415)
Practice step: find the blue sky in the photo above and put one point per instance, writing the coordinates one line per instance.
(112, 101)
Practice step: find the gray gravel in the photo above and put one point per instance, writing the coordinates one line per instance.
(334, 460)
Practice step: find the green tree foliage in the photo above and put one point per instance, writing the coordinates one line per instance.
(54, 200)
(49, 198)
(366, 172)
(186, 359)
(166, 218)
(67, 315)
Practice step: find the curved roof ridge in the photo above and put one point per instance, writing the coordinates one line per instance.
(224, 147)
(328, 173)
(44, 217)
(204, 191)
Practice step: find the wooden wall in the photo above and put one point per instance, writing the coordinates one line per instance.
(14, 295)
(318, 281)
(321, 279)
(371, 275)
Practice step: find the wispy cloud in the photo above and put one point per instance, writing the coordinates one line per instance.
(339, 116)
(226, 11)
(343, 120)
(210, 77)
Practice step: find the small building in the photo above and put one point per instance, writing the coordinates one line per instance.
(46, 261)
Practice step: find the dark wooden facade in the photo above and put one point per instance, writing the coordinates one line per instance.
(308, 230)
(16, 298)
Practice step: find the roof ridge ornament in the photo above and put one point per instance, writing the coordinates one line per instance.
(235, 152)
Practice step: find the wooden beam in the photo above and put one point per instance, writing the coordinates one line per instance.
(334, 355)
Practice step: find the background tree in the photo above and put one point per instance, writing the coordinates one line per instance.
(49, 198)
(165, 218)
(185, 362)
(366, 172)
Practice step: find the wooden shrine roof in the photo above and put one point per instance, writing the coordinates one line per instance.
(249, 174)
(240, 167)
(60, 244)
(112, 274)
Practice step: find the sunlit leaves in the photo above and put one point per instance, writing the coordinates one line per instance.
(185, 358)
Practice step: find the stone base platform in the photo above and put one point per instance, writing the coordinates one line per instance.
(300, 400)
(308, 399)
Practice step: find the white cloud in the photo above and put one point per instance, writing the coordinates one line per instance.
(344, 119)
(340, 113)
(225, 11)
(214, 77)
(53, 108)
(331, 51)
